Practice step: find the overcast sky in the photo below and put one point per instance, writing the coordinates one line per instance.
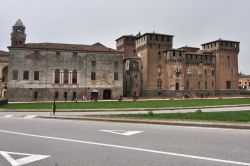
(192, 22)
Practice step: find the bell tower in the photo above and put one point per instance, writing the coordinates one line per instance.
(18, 36)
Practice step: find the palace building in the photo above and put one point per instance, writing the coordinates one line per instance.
(47, 71)
(144, 65)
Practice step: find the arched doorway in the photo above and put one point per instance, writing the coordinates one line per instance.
(107, 94)
(5, 74)
(94, 94)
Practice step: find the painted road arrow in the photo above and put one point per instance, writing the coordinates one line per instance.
(21, 161)
(122, 132)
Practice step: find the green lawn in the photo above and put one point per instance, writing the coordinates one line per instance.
(237, 116)
(128, 104)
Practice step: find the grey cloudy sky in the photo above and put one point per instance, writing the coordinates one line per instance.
(192, 22)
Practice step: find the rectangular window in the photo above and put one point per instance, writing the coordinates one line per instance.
(116, 76)
(187, 84)
(25, 75)
(93, 76)
(232, 71)
(115, 65)
(56, 95)
(199, 85)
(212, 72)
(36, 75)
(14, 75)
(36, 52)
(35, 95)
(205, 85)
(93, 64)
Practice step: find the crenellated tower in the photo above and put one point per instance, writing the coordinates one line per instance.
(226, 53)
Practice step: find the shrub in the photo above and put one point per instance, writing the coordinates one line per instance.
(198, 111)
(151, 113)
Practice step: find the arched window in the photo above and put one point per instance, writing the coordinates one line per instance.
(66, 76)
(57, 76)
(74, 77)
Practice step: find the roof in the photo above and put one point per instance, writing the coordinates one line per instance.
(189, 49)
(173, 49)
(219, 40)
(132, 36)
(159, 34)
(97, 47)
(4, 53)
(19, 23)
(133, 57)
(200, 52)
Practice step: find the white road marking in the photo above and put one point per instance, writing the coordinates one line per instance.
(8, 116)
(30, 116)
(129, 148)
(122, 132)
(21, 161)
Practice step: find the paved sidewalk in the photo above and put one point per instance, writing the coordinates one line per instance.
(126, 109)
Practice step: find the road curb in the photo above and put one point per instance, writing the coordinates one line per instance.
(159, 122)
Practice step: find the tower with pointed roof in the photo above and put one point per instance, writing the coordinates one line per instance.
(18, 36)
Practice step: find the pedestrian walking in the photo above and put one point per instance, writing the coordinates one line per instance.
(54, 107)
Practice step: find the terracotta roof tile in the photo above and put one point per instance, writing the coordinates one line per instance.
(71, 47)
(4, 53)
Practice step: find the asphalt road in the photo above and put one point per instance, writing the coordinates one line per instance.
(83, 143)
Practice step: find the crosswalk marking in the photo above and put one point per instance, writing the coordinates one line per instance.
(8, 116)
(19, 116)
(29, 117)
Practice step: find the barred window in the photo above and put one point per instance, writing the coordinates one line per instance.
(25, 75)
(36, 75)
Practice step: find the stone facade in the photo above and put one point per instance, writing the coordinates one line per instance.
(143, 65)
(187, 71)
(4, 58)
(44, 71)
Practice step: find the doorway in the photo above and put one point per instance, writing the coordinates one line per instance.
(177, 86)
(65, 96)
(107, 94)
(94, 95)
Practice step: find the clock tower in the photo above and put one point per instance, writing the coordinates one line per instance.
(18, 35)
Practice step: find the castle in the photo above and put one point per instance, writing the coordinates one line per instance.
(141, 66)
(154, 68)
